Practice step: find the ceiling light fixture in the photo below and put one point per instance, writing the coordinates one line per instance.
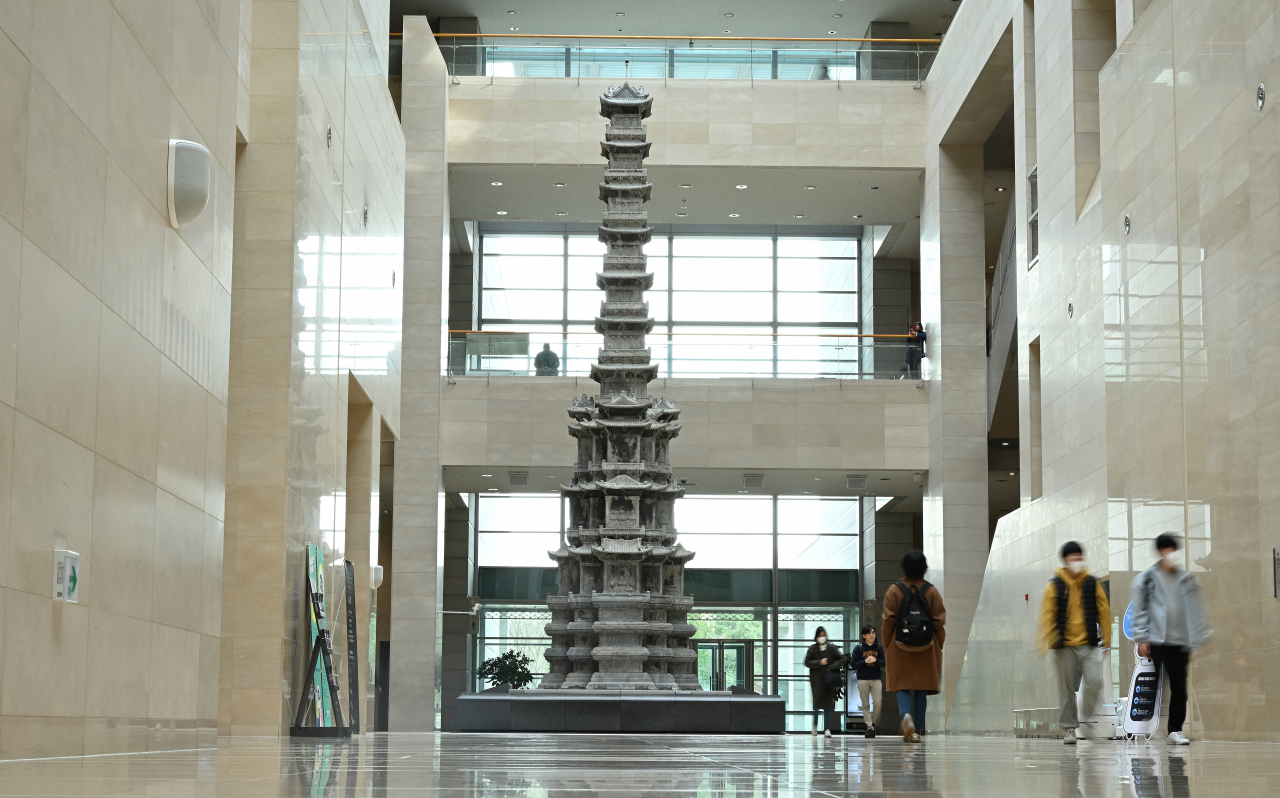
(831, 33)
(619, 30)
(811, 188)
(734, 215)
(837, 16)
(740, 186)
(799, 215)
(512, 13)
(682, 215)
(514, 28)
(562, 213)
(685, 185)
(1011, 473)
(915, 217)
(559, 185)
(857, 216)
(817, 479)
(875, 188)
(620, 14)
(726, 30)
(728, 15)
(1001, 188)
(502, 213)
(486, 475)
(496, 183)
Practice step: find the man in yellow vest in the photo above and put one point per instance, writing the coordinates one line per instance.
(1075, 624)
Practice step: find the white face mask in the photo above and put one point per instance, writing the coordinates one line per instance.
(1075, 566)
(1173, 559)
(822, 641)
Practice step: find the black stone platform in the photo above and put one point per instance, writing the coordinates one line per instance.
(621, 711)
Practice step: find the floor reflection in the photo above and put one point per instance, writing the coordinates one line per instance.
(617, 766)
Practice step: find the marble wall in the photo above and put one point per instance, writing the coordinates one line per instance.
(1155, 397)
(114, 336)
(851, 124)
(316, 334)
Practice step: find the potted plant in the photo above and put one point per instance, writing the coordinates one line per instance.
(511, 668)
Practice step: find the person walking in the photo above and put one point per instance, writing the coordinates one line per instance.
(914, 630)
(1169, 622)
(915, 350)
(868, 662)
(546, 363)
(1075, 625)
(823, 660)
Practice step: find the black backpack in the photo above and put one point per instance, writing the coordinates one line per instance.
(914, 629)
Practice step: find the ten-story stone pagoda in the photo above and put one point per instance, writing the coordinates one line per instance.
(620, 618)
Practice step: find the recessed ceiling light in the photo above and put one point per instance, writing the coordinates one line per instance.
(620, 14)
(514, 28)
(682, 215)
(729, 31)
(915, 217)
(799, 215)
(685, 185)
(502, 213)
(831, 32)
(817, 479)
(552, 476)
(811, 188)
(804, 491)
(1006, 443)
(740, 186)
(512, 13)
(495, 490)
(486, 475)
(619, 30)
(496, 183)
(562, 213)
(857, 216)
(728, 15)
(1000, 188)
(1012, 474)
(734, 215)
(559, 185)
(837, 16)
(875, 188)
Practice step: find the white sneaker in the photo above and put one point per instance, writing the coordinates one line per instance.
(1178, 738)
(815, 731)
(826, 733)
(1070, 739)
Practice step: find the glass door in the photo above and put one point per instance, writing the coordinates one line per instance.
(723, 664)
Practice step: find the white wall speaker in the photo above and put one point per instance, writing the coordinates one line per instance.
(189, 165)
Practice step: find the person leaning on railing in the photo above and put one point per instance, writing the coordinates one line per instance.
(547, 363)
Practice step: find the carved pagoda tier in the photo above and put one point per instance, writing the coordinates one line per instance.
(619, 620)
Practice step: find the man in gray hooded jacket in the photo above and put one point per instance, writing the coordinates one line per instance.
(1169, 622)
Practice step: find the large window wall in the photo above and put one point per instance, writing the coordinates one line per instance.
(768, 571)
(724, 305)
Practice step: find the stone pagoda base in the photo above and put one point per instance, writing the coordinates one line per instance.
(621, 711)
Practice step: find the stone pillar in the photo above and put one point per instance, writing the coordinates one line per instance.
(885, 538)
(457, 658)
(953, 306)
(886, 307)
(414, 598)
(364, 432)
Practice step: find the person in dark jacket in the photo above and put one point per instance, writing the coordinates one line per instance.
(821, 658)
(915, 350)
(868, 664)
(547, 363)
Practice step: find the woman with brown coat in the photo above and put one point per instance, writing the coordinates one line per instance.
(914, 630)
(821, 658)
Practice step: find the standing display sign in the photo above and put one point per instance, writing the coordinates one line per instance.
(320, 696)
(353, 660)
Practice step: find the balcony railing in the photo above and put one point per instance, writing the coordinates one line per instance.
(698, 355)
(651, 57)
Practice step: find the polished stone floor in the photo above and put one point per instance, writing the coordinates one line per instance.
(617, 766)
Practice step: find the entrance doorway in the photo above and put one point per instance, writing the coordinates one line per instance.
(723, 664)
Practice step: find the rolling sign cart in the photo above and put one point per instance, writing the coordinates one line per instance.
(320, 695)
(1142, 706)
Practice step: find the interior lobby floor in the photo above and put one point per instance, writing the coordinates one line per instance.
(623, 766)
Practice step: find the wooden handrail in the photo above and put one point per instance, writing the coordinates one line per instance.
(672, 38)
(669, 335)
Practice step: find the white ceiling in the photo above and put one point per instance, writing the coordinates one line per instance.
(774, 196)
(762, 18)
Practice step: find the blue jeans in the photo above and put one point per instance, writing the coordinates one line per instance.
(917, 712)
(830, 719)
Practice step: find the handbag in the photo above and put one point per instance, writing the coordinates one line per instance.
(831, 678)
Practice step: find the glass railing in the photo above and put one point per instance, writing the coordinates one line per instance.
(705, 59)
(698, 355)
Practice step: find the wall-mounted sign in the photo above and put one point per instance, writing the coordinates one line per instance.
(66, 576)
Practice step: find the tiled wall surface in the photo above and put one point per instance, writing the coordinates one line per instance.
(113, 364)
(317, 303)
(728, 423)
(852, 124)
(1158, 408)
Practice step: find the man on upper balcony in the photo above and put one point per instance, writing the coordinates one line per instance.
(547, 363)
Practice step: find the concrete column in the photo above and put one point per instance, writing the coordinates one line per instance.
(414, 598)
(953, 306)
(364, 429)
(886, 306)
(885, 538)
(457, 652)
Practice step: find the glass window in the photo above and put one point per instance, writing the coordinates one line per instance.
(519, 513)
(818, 552)
(817, 248)
(523, 271)
(818, 516)
(754, 306)
(722, 274)
(732, 247)
(523, 245)
(657, 246)
(727, 516)
(503, 304)
(517, 549)
(815, 307)
(718, 550)
(812, 274)
(586, 245)
(585, 305)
